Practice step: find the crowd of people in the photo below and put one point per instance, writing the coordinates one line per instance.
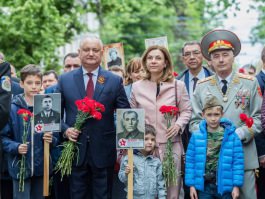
(217, 152)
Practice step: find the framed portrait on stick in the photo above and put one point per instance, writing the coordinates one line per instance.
(47, 112)
(114, 55)
(130, 129)
(159, 41)
(47, 119)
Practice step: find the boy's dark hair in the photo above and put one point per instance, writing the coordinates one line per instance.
(149, 129)
(51, 72)
(30, 69)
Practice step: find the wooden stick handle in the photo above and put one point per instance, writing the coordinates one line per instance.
(130, 175)
(46, 169)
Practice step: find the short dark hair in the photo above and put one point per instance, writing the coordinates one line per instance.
(129, 112)
(73, 55)
(47, 96)
(189, 43)
(30, 69)
(149, 129)
(51, 72)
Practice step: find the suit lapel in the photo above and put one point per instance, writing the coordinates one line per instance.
(79, 81)
(186, 80)
(101, 81)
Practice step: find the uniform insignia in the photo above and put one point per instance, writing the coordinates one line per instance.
(101, 79)
(6, 83)
(206, 79)
(236, 80)
(242, 99)
(259, 91)
(243, 76)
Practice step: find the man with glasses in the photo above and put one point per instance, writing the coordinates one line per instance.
(192, 58)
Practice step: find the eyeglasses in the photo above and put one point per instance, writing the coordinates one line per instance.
(195, 53)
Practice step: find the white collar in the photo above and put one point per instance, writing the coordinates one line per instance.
(94, 72)
(200, 75)
(228, 78)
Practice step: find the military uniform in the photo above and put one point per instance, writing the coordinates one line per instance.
(243, 96)
(5, 92)
(41, 118)
(131, 135)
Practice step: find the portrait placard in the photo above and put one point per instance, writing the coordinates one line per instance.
(114, 55)
(159, 41)
(130, 129)
(47, 112)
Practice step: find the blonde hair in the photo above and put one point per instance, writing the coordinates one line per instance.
(133, 65)
(167, 75)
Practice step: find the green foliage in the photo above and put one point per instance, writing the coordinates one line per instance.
(258, 32)
(131, 22)
(31, 30)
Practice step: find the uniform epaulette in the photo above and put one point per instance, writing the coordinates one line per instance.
(205, 79)
(243, 76)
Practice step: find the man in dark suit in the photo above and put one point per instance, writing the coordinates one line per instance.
(92, 174)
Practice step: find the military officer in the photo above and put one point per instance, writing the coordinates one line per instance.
(239, 94)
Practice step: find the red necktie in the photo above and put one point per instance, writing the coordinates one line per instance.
(90, 86)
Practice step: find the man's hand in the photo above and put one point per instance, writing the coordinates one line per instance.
(47, 137)
(235, 193)
(193, 193)
(22, 149)
(172, 131)
(72, 134)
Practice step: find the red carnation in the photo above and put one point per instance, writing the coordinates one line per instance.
(243, 117)
(175, 74)
(249, 122)
(241, 70)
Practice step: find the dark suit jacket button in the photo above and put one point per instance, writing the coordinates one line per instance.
(88, 138)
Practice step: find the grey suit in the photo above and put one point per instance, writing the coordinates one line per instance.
(242, 97)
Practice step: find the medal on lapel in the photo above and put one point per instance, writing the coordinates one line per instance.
(245, 99)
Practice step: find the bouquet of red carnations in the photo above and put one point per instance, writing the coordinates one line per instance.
(168, 163)
(87, 108)
(26, 116)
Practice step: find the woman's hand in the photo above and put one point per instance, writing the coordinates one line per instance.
(172, 131)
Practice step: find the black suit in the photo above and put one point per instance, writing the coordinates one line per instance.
(92, 174)
(5, 100)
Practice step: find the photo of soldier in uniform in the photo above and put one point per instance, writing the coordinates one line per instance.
(47, 112)
(114, 55)
(130, 128)
(158, 41)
